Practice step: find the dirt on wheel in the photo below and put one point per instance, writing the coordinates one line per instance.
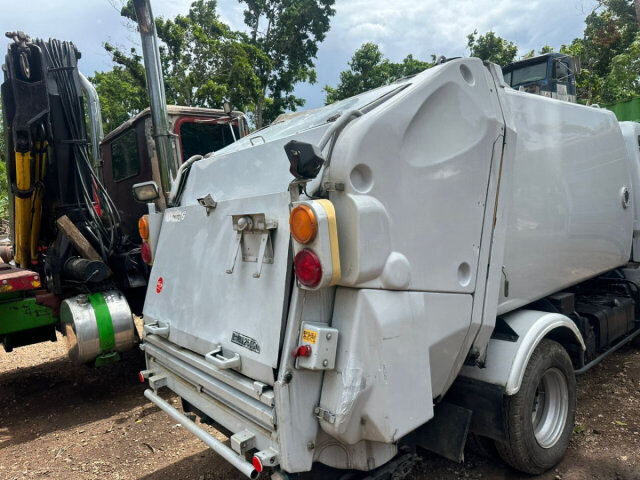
(60, 421)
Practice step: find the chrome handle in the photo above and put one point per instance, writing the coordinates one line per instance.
(154, 329)
(216, 358)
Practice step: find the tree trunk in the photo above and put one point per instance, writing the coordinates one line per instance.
(259, 108)
(637, 5)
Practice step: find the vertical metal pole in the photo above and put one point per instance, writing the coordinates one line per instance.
(95, 122)
(157, 99)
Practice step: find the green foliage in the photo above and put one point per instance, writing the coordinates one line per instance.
(542, 51)
(204, 62)
(121, 96)
(491, 47)
(609, 53)
(287, 33)
(369, 69)
(623, 81)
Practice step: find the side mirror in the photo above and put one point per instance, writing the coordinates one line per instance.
(576, 65)
(145, 192)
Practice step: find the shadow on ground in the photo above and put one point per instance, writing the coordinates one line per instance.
(59, 395)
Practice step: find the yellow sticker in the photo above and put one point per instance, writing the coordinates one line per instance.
(309, 336)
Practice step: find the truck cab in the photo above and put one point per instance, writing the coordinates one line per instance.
(128, 154)
(550, 75)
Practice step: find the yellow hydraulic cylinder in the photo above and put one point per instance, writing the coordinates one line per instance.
(23, 209)
(36, 207)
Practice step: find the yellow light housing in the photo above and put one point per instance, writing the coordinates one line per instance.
(143, 227)
(303, 224)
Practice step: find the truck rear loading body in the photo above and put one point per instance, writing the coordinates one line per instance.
(450, 211)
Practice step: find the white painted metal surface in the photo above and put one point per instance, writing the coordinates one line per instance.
(204, 305)
(416, 172)
(631, 133)
(567, 222)
(506, 360)
(441, 186)
(386, 338)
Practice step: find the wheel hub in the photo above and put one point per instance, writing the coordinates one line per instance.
(550, 408)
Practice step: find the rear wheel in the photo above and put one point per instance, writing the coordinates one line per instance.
(540, 417)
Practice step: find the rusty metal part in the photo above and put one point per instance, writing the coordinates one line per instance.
(6, 254)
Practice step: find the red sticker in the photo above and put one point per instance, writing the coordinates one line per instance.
(159, 285)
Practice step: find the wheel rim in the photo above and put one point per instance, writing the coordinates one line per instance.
(550, 408)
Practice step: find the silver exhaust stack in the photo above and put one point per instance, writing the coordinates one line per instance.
(157, 98)
(95, 122)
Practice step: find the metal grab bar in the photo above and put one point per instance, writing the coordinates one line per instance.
(216, 358)
(154, 329)
(216, 445)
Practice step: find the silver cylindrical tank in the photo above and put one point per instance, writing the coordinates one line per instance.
(96, 324)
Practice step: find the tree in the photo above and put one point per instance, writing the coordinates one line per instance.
(121, 96)
(369, 69)
(492, 48)
(542, 51)
(204, 62)
(287, 32)
(608, 56)
(623, 81)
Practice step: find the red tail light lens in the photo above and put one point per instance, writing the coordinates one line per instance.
(145, 252)
(308, 268)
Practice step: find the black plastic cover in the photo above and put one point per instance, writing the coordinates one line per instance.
(305, 159)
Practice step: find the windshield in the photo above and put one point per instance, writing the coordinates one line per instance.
(293, 123)
(530, 73)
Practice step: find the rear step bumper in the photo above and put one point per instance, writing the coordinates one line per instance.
(216, 445)
(241, 406)
(253, 400)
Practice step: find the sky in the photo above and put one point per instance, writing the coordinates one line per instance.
(400, 27)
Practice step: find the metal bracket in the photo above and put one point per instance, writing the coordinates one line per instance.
(325, 415)
(208, 202)
(253, 232)
(243, 441)
(334, 186)
(268, 457)
(157, 381)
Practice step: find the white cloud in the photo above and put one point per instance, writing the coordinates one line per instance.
(400, 27)
(439, 27)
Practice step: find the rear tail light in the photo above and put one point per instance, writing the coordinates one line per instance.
(145, 252)
(143, 228)
(303, 223)
(308, 268)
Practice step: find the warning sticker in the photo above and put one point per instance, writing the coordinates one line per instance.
(309, 336)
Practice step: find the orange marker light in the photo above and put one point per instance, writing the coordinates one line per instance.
(143, 228)
(303, 223)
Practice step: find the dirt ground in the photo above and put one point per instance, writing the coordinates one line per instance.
(58, 421)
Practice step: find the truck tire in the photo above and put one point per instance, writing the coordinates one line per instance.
(539, 418)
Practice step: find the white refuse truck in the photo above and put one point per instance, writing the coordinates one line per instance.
(425, 263)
